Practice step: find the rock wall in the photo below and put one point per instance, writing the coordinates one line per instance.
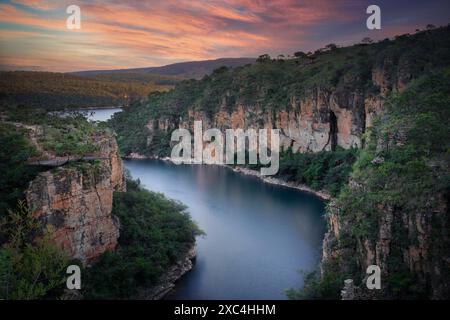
(75, 201)
(320, 120)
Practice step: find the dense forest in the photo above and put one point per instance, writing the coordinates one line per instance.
(58, 90)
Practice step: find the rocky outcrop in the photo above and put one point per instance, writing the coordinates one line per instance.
(75, 202)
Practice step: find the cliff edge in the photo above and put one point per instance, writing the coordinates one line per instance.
(75, 200)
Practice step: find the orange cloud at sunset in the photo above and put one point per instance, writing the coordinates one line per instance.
(123, 34)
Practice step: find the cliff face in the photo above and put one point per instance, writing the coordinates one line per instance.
(411, 249)
(75, 200)
(319, 120)
(319, 101)
(395, 210)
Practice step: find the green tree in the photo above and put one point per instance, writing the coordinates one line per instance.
(30, 266)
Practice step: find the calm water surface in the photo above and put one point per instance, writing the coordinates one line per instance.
(258, 235)
(100, 114)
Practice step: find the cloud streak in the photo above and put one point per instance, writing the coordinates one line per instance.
(118, 34)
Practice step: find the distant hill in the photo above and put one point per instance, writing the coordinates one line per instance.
(100, 88)
(186, 70)
(60, 90)
(143, 78)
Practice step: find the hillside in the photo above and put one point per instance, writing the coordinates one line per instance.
(186, 70)
(58, 90)
(388, 100)
(102, 88)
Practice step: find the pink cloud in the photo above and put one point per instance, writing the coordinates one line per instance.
(144, 33)
(39, 4)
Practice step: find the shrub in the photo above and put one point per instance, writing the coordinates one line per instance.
(155, 233)
(30, 267)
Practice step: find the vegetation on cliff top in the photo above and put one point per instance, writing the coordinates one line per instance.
(404, 169)
(155, 233)
(68, 134)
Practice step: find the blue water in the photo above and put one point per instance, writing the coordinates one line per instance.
(258, 235)
(100, 114)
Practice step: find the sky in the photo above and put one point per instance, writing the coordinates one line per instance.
(137, 33)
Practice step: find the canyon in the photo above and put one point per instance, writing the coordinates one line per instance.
(324, 102)
(387, 102)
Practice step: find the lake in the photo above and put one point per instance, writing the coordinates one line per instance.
(100, 114)
(258, 235)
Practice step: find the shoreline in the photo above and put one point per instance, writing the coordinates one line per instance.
(280, 182)
(183, 266)
(170, 277)
(91, 108)
(325, 196)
